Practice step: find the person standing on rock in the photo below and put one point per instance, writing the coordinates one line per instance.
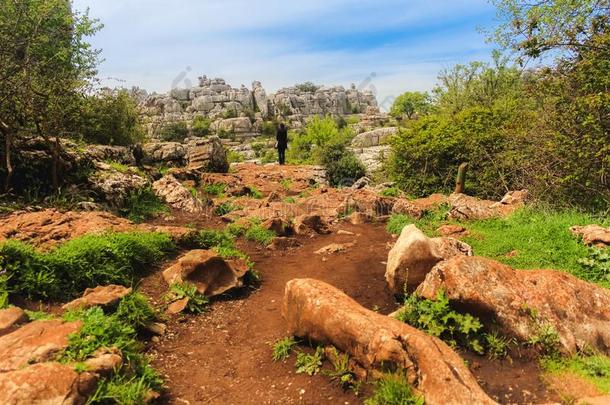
(282, 142)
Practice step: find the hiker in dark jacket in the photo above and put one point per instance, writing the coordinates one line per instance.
(282, 142)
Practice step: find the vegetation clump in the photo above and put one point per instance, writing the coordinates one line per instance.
(283, 347)
(197, 302)
(394, 389)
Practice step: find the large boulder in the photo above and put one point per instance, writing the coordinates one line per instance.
(526, 303)
(414, 255)
(375, 137)
(593, 235)
(466, 207)
(317, 311)
(114, 186)
(10, 317)
(46, 384)
(309, 224)
(207, 154)
(176, 195)
(35, 342)
(99, 296)
(210, 273)
(169, 153)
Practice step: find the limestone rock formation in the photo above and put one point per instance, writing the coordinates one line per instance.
(524, 303)
(467, 207)
(170, 153)
(35, 342)
(46, 383)
(176, 195)
(101, 295)
(317, 311)
(210, 273)
(114, 186)
(375, 137)
(10, 317)
(414, 255)
(593, 235)
(207, 155)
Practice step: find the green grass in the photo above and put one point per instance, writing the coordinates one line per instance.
(290, 200)
(283, 347)
(143, 204)
(593, 368)
(390, 192)
(286, 183)
(215, 189)
(224, 208)
(540, 238)
(393, 389)
(309, 363)
(257, 233)
(84, 262)
(254, 192)
(134, 380)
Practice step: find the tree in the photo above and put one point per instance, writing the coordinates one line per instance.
(410, 103)
(535, 28)
(45, 68)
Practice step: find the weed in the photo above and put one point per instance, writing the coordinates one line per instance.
(254, 192)
(438, 319)
(391, 192)
(428, 223)
(143, 204)
(258, 233)
(290, 200)
(197, 302)
(225, 208)
(286, 183)
(393, 389)
(283, 347)
(596, 267)
(341, 373)
(545, 339)
(309, 363)
(135, 309)
(497, 346)
(38, 315)
(215, 189)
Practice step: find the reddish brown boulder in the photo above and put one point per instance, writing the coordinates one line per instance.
(35, 342)
(525, 303)
(414, 255)
(320, 312)
(452, 230)
(467, 207)
(278, 226)
(10, 317)
(334, 248)
(100, 295)
(359, 218)
(404, 206)
(308, 224)
(210, 273)
(48, 228)
(593, 235)
(46, 384)
(283, 243)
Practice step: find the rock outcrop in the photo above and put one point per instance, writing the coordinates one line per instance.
(210, 273)
(467, 207)
(526, 303)
(114, 186)
(375, 137)
(10, 317)
(415, 254)
(176, 195)
(107, 295)
(207, 155)
(317, 311)
(593, 235)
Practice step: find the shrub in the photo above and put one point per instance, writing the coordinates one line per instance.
(215, 189)
(224, 208)
(283, 347)
(342, 167)
(111, 119)
(391, 192)
(135, 309)
(235, 157)
(309, 363)
(200, 126)
(88, 261)
(438, 319)
(143, 204)
(307, 87)
(393, 389)
(174, 132)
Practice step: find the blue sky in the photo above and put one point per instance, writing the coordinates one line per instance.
(388, 46)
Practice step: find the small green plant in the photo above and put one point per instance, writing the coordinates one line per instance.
(497, 346)
(257, 233)
(391, 192)
(135, 309)
(290, 200)
(143, 204)
(341, 373)
(286, 183)
(235, 157)
(283, 347)
(546, 339)
(197, 302)
(201, 126)
(309, 363)
(215, 189)
(174, 132)
(597, 265)
(428, 223)
(393, 389)
(254, 192)
(224, 208)
(437, 318)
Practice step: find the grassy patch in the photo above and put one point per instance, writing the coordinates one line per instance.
(88, 261)
(254, 192)
(290, 200)
(428, 223)
(393, 389)
(225, 208)
(283, 347)
(593, 368)
(143, 204)
(259, 234)
(215, 189)
(390, 192)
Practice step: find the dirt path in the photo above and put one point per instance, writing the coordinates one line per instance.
(224, 356)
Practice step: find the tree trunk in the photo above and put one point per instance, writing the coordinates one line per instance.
(461, 178)
(55, 168)
(8, 146)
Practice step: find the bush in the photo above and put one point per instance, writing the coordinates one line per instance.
(342, 167)
(200, 126)
(143, 204)
(111, 119)
(85, 262)
(173, 132)
(307, 87)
